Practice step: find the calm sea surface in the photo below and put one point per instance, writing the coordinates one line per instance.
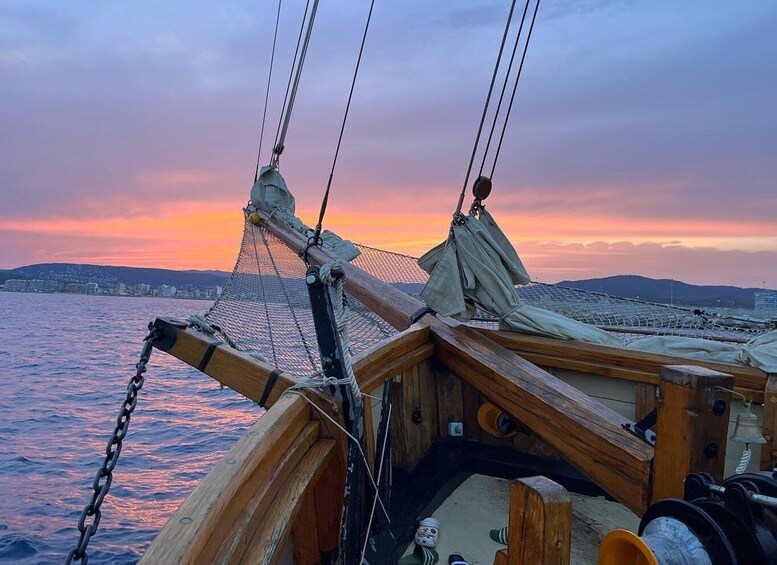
(65, 361)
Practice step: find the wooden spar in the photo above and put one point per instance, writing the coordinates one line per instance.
(249, 376)
(588, 434)
(615, 362)
(389, 357)
(235, 369)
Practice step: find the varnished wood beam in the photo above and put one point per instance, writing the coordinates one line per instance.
(231, 367)
(587, 433)
(540, 527)
(276, 522)
(249, 376)
(609, 360)
(692, 431)
(391, 356)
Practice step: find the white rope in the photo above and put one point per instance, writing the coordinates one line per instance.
(380, 474)
(291, 390)
(744, 461)
(319, 381)
(258, 356)
(201, 324)
(340, 306)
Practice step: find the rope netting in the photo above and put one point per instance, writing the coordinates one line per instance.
(622, 315)
(265, 307)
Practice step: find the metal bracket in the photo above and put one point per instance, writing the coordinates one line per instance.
(167, 332)
(642, 428)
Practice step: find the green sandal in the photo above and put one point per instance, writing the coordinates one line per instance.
(499, 536)
(421, 556)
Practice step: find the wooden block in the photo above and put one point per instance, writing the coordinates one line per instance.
(500, 557)
(769, 449)
(646, 400)
(540, 526)
(690, 436)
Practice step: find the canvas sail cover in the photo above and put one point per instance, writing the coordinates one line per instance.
(271, 195)
(478, 264)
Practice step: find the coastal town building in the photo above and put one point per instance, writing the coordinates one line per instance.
(765, 300)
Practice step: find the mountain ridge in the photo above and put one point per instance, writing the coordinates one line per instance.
(665, 291)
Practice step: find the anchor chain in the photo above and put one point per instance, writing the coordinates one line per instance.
(104, 477)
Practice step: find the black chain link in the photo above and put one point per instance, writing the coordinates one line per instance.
(104, 477)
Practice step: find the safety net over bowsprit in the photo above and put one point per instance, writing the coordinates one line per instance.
(265, 307)
(622, 315)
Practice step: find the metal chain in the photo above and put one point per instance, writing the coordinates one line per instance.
(104, 477)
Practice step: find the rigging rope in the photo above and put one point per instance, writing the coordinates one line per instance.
(289, 104)
(485, 110)
(504, 87)
(267, 93)
(515, 88)
(342, 127)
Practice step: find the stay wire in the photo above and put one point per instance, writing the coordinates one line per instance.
(295, 84)
(291, 74)
(485, 110)
(342, 127)
(267, 92)
(504, 87)
(515, 88)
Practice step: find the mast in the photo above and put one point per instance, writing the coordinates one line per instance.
(278, 149)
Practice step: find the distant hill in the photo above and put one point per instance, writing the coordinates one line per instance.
(629, 286)
(103, 274)
(667, 291)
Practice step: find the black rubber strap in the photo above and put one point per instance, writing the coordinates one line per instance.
(419, 313)
(268, 387)
(208, 354)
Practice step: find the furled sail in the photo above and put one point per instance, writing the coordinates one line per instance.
(271, 195)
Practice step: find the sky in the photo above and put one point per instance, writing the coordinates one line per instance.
(642, 141)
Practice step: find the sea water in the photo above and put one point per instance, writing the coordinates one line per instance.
(65, 361)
